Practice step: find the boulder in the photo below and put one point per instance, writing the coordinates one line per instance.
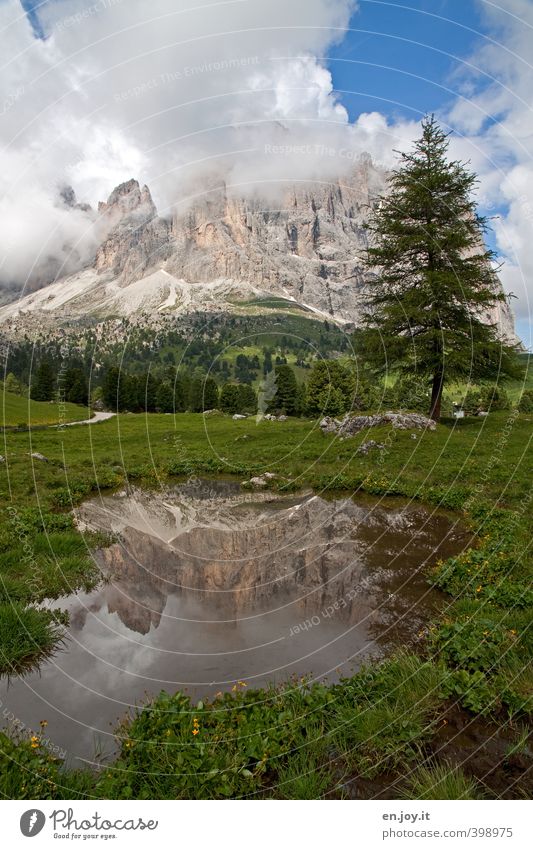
(41, 457)
(351, 425)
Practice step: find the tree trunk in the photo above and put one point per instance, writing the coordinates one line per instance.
(436, 395)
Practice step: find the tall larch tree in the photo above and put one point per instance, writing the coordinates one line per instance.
(434, 282)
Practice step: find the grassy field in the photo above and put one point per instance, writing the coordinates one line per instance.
(17, 410)
(382, 731)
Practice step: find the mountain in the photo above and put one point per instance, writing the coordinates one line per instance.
(221, 253)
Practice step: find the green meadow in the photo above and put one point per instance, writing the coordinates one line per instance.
(381, 731)
(17, 410)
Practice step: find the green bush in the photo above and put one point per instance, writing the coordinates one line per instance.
(525, 404)
(494, 398)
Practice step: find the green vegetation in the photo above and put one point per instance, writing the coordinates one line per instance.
(26, 636)
(442, 782)
(19, 411)
(380, 726)
(434, 275)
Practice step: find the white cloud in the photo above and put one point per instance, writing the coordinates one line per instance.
(497, 120)
(170, 92)
(165, 91)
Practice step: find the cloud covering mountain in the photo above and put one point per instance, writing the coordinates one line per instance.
(181, 94)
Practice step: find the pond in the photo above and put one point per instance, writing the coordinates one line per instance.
(208, 585)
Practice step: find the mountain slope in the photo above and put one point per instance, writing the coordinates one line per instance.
(220, 251)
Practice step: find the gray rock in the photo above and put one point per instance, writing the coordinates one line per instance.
(369, 446)
(41, 457)
(262, 480)
(351, 425)
(237, 417)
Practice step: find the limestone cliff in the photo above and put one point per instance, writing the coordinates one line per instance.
(221, 252)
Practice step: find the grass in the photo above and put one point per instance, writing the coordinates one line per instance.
(514, 388)
(27, 636)
(442, 782)
(375, 727)
(17, 411)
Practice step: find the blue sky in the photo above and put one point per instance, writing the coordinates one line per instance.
(403, 54)
(404, 59)
(395, 51)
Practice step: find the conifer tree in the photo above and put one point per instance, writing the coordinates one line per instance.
(426, 308)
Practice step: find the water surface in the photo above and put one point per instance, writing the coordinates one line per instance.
(208, 585)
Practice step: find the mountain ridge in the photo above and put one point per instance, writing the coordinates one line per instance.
(219, 252)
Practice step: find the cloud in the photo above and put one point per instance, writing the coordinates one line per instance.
(177, 92)
(497, 122)
(174, 94)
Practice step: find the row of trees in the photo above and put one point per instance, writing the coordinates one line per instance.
(333, 388)
(135, 393)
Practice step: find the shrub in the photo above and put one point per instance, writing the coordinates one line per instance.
(525, 404)
(495, 398)
(26, 636)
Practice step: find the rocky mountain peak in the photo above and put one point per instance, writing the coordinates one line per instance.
(304, 244)
(128, 198)
(133, 237)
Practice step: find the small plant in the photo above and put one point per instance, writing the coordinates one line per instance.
(520, 746)
(441, 781)
(471, 644)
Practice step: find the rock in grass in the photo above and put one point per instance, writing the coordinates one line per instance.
(36, 456)
(369, 446)
(351, 425)
(262, 480)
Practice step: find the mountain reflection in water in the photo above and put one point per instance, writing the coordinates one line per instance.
(207, 585)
